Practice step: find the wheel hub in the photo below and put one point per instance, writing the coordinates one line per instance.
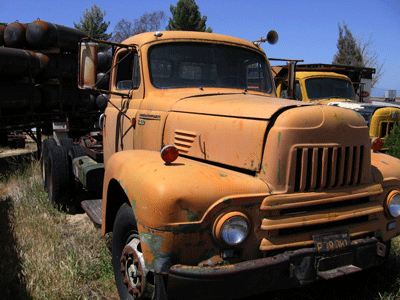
(133, 268)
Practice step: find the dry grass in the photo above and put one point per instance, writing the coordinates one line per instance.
(45, 253)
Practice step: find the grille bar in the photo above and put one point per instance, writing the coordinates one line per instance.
(326, 167)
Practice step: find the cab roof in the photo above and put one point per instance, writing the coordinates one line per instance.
(150, 37)
(305, 75)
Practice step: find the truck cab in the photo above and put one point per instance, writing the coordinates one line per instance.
(320, 87)
(343, 86)
(216, 187)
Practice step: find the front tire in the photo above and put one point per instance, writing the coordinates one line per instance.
(131, 274)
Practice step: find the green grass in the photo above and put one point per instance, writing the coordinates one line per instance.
(47, 254)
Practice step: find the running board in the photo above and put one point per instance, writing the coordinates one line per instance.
(93, 209)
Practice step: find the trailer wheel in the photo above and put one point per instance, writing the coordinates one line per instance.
(45, 161)
(76, 151)
(59, 192)
(129, 268)
(66, 142)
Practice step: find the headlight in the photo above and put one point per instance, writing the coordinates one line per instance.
(393, 204)
(232, 228)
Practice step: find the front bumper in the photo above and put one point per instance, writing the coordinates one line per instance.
(289, 269)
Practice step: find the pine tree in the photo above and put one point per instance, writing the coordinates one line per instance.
(392, 141)
(186, 16)
(94, 25)
(349, 52)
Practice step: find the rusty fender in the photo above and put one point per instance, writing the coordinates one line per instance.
(165, 195)
(385, 167)
(175, 204)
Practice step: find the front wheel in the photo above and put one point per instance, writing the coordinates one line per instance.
(131, 275)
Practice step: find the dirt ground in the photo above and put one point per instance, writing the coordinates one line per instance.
(30, 147)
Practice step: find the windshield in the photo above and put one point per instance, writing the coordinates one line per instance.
(327, 88)
(181, 65)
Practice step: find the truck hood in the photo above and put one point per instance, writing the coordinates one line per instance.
(241, 105)
(228, 129)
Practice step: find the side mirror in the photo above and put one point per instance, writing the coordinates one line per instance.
(87, 64)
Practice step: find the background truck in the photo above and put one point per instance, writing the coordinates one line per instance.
(390, 95)
(343, 86)
(326, 82)
(210, 184)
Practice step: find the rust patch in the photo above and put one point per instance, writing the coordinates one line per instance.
(279, 138)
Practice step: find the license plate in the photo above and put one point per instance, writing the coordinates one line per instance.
(332, 241)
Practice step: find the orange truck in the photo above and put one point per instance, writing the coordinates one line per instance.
(215, 188)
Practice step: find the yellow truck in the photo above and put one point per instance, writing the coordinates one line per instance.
(215, 188)
(343, 86)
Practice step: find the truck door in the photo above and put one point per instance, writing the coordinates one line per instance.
(120, 115)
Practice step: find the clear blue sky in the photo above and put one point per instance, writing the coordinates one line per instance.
(307, 29)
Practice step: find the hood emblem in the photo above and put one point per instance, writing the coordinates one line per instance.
(394, 115)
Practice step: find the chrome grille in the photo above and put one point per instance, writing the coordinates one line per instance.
(326, 167)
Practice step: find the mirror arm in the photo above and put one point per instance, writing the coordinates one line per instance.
(107, 42)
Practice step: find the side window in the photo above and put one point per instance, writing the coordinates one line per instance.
(297, 91)
(128, 71)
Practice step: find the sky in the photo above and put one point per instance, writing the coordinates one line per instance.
(307, 29)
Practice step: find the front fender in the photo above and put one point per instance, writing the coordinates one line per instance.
(166, 195)
(385, 167)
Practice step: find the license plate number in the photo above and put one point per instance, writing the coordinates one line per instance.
(332, 241)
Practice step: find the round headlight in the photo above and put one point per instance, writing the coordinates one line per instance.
(234, 230)
(393, 204)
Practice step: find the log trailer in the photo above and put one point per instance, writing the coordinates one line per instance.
(214, 186)
(39, 94)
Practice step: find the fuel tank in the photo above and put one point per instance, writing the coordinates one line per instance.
(15, 35)
(19, 62)
(2, 28)
(17, 98)
(42, 35)
(104, 60)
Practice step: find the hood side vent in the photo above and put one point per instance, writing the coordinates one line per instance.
(183, 140)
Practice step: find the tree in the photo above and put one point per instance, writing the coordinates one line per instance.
(94, 25)
(392, 141)
(147, 22)
(349, 53)
(122, 31)
(371, 59)
(186, 16)
(357, 53)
